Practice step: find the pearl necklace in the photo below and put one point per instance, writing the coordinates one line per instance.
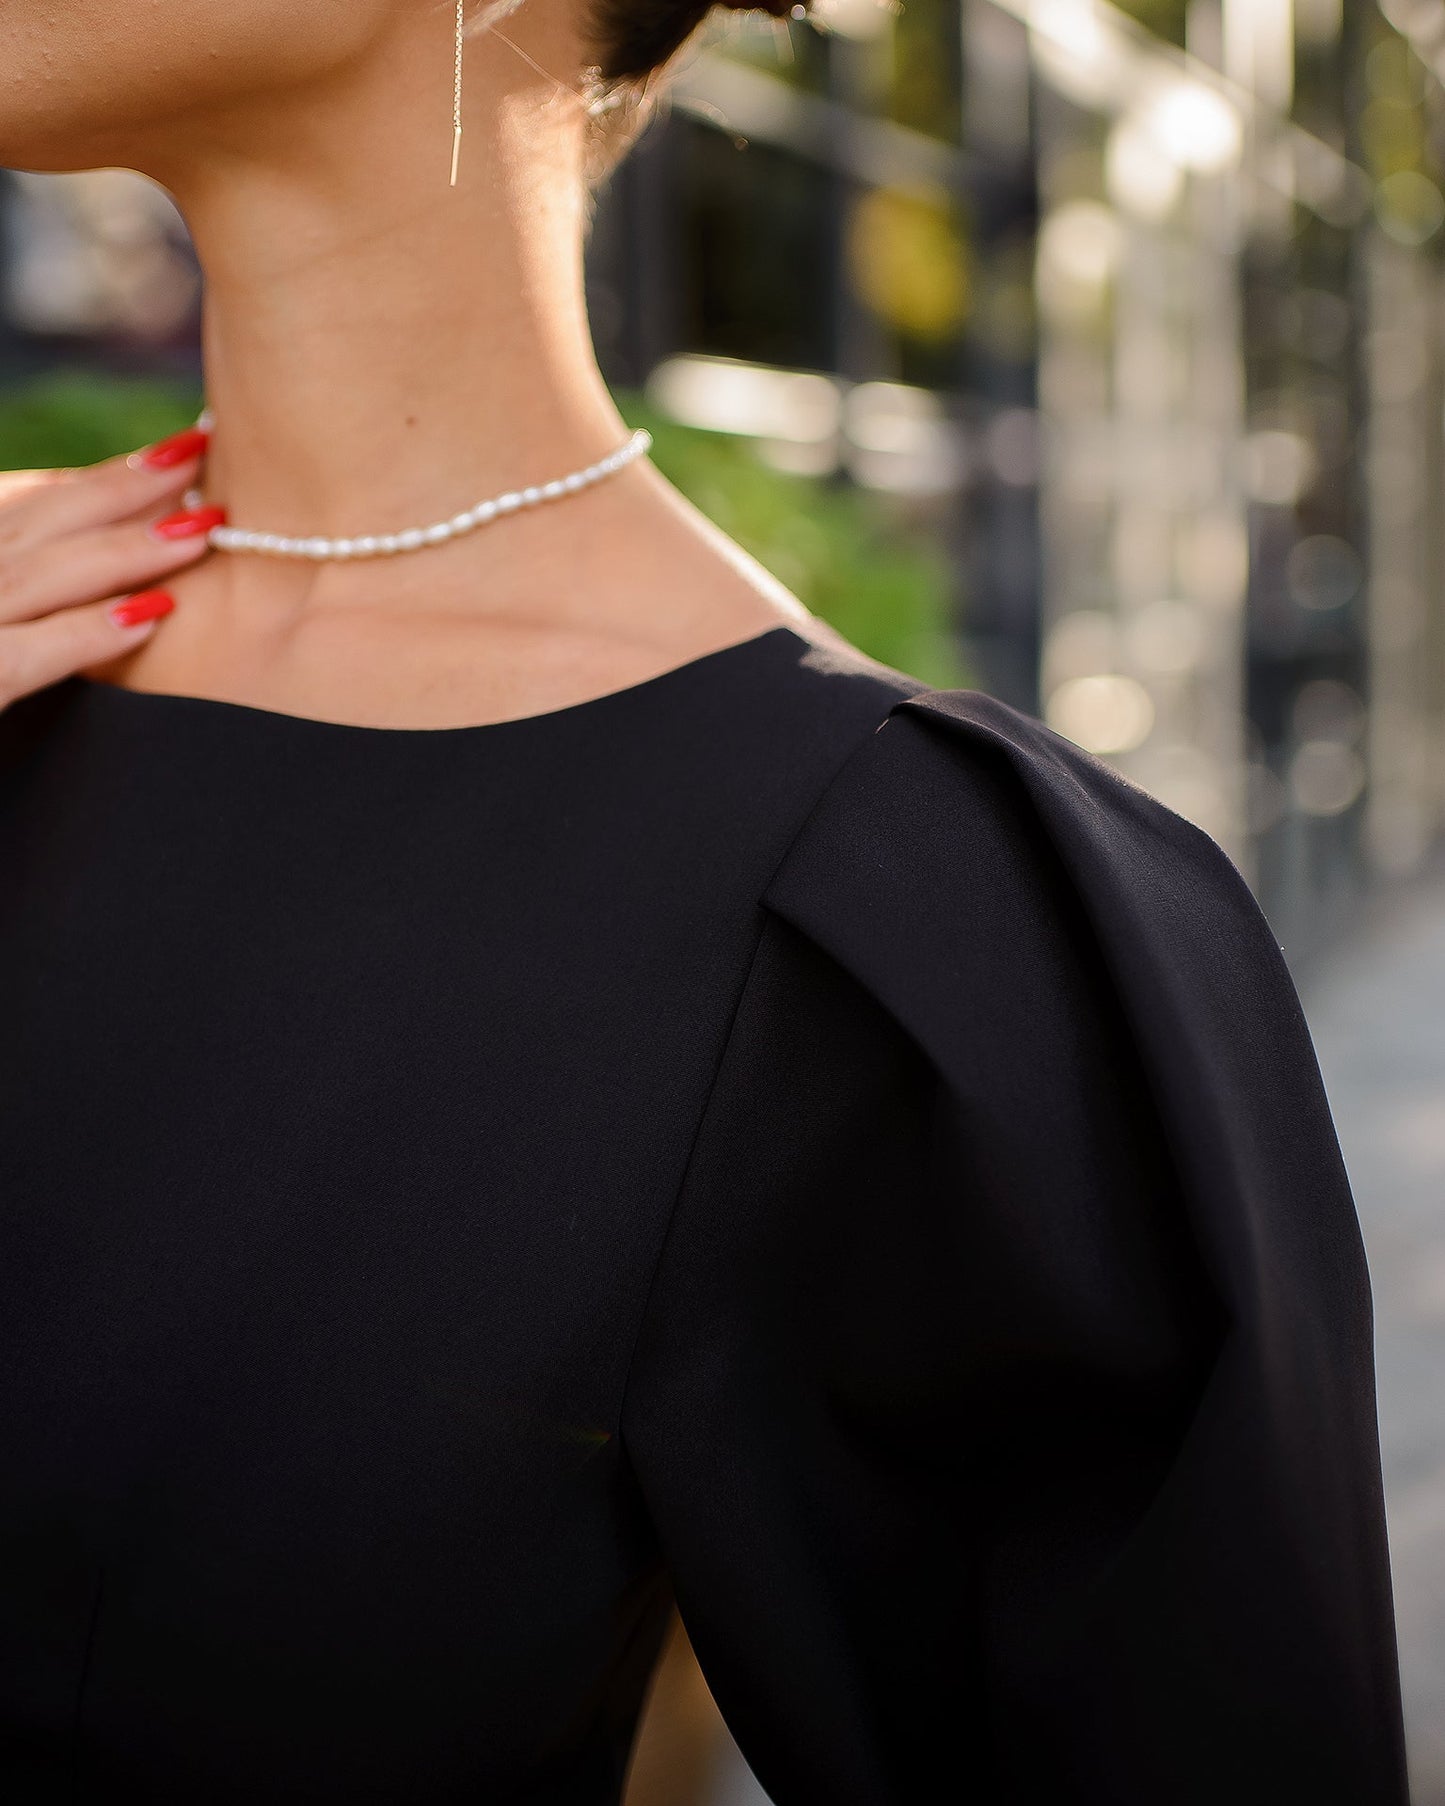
(276, 545)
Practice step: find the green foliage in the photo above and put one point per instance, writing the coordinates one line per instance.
(839, 550)
(73, 418)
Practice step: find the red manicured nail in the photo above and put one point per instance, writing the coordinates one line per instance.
(166, 453)
(188, 523)
(143, 607)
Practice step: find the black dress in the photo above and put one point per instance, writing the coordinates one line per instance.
(777, 1131)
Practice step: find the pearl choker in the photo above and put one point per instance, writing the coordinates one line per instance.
(240, 539)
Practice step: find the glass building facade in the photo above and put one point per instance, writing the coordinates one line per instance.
(1139, 306)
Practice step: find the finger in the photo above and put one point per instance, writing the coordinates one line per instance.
(36, 653)
(58, 573)
(43, 504)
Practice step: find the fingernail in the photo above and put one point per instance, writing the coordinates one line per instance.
(188, 523)
(145, 606)
(165, 454)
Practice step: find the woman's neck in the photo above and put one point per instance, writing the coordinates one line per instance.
(382, 349)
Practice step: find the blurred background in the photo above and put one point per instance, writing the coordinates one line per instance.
(1091, 355)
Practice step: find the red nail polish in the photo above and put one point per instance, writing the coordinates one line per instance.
(146, 606)
(188, 523)
(165, 454)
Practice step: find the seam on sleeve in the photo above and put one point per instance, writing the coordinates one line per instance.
(665, 1239)
(768, 918)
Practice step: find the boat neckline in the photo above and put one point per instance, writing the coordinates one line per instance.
(647, 687)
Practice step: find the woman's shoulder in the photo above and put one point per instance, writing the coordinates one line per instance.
(977, 737)
(1047, 1317)
(1083, 968)
(1011, 899)
(948, 799)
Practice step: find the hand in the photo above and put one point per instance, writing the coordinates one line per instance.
(74, 547)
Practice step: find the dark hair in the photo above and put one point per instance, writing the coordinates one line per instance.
(634, 37)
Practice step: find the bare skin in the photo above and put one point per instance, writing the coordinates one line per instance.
(381, 350)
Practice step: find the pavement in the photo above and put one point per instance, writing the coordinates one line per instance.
(1376, 1009)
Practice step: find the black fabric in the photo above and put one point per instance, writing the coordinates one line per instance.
(778, 1131)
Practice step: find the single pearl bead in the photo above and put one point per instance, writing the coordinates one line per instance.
(463, 523)
(343, 548)
(575, 481)
(507, 503)
(434, 536)
(411, 539)
(531, 495)
(366, 547)
(485, 511)
(317, 548)
(555, 488)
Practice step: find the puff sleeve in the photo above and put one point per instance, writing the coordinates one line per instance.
(1004, 1402)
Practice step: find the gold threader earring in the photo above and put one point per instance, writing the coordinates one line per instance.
(457, 100)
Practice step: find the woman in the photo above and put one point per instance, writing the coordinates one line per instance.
(537, 1076)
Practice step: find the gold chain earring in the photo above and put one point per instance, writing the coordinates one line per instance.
(457, 100)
